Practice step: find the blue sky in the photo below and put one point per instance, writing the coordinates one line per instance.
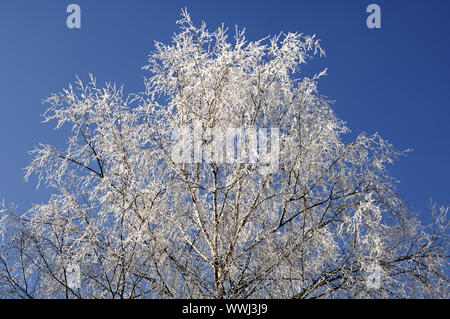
(392, 80)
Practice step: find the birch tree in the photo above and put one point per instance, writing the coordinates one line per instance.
(140, 224)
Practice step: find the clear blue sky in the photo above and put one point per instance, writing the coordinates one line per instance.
(394, 80)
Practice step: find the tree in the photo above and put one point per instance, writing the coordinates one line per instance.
(141, 224)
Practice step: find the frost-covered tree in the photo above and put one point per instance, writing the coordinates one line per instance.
(141, 225)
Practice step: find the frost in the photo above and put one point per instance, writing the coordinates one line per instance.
(140, 225)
